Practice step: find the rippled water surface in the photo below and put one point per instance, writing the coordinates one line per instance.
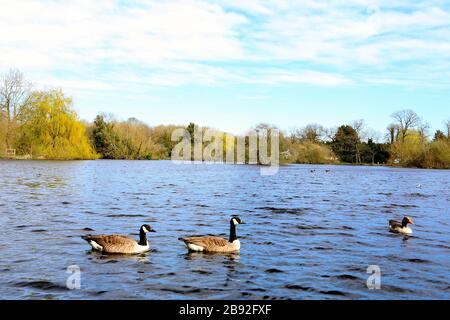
(309, 234)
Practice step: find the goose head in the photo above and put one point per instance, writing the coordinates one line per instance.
(236, 220)
(146, 229)
(406, 221)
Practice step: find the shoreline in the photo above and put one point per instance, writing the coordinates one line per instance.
(281, 165)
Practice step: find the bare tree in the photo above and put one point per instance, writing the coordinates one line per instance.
(393, 133)
(295, 134)
(372, 134)
(423, 128)
(292, 134)
(406, 120)
(358, 125)
(312, 132)
(14, 96)
(330, 133)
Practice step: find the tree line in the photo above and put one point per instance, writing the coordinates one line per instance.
(407, 142)
(42, 124)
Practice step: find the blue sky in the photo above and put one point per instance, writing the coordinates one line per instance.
(232, 64)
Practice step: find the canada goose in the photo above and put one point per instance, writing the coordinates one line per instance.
(401, 227)
(216, 244)
(117, 244)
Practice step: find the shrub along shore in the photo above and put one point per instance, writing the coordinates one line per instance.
(42, 124)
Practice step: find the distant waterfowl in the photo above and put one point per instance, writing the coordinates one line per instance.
(117, 244)
(216, 244)
(401, 227)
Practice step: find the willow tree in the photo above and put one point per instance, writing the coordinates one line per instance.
(438, 155)
(52, 130)
(411, 151)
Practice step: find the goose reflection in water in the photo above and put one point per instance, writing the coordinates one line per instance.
(108, 258)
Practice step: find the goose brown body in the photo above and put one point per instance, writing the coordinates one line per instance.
(114, 244)
(119, 244)
(211, 244)
(216, 244)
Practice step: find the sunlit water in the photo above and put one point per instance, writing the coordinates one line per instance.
(309, 235)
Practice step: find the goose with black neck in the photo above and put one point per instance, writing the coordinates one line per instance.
(216, 244)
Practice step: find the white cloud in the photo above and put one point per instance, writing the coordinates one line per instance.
(183, 42)
(302, 77)
(252, 7)
(340, 34)
(76, 84)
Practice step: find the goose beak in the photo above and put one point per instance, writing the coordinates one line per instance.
(153, 230)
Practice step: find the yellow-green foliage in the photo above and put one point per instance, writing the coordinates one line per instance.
(229, 147)
(438, 155)
(162, 141)
(415, 151)
(313, 153)
(410, 152)
(136, 139)
(52, 129)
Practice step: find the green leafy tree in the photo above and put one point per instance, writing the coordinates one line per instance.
(374, 153)
(344, 144)
(106, 141)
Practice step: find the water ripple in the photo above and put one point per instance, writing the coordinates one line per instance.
(308, 235)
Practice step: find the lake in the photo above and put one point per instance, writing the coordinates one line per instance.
(311, 232)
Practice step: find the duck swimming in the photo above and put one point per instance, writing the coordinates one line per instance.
(401, 227)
